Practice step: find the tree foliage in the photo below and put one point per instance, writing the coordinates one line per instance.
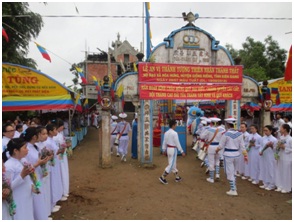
(20, 31)
(261, 61)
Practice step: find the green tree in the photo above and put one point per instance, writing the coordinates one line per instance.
(20, 31)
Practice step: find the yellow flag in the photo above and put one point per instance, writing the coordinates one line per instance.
(120, 90)
(148, 5)
(77, 98)
(135, 67)
(110, 78)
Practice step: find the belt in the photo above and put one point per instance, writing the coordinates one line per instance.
(169, 146)
(114, 134)
(230, 150)
(214, 143)
(125, 134)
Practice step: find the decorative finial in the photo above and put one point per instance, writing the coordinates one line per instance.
(190, 17)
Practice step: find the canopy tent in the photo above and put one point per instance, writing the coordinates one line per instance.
(284, 107)
(24, 88)
(251, 106)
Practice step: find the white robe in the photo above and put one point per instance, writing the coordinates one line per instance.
(5, 211)
(267, 162)
(40, 212)
(55, 175)
(22, 190)
(124, 139)
(254, 158)
(46, 183)
(242, 167)
(283, 177)
(59, 139)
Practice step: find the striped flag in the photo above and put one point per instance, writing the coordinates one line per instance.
(43, 52)
(96, 83)
(80, 72)
(4, 34)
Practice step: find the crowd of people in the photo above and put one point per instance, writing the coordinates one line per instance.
(35, 173)
(265, 160)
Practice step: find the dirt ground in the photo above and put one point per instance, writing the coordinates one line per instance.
(128, 191)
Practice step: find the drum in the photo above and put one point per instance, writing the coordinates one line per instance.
(116, 141)
(201, 155)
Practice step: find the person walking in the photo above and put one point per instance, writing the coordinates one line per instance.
(113, 134)
(170, 147)
(232, 144)
(123, 129)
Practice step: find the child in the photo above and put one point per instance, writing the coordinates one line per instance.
(21, 183)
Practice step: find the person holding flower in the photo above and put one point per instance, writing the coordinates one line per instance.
(253, 155)
(42, 137)
(21, 183)
(267, 160)
(61, 143)
(8, 204)
(283, 176)
(55, 175)
(31, 137)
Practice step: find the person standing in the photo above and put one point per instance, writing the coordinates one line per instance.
(113, 134)
(170, 147)
(253, 155)
(232, 144)
(267, 160)
(242, 168)
(134, 138)
(277, 123)
(7, 134)
(284, 161)
(123, 129)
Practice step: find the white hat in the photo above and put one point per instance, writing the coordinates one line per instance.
(114, 117)
(208, 120)
(136, 115)
(215, 119)
(123, 115)
(230, 120)
(203, 122)
(203, 118)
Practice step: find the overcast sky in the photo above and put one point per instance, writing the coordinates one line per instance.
(68, 38)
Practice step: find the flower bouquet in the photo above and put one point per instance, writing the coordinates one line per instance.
(43, 154)
(34, 178)
(9, 199)
(278, 147)
(52, 161)
(69, 148)
(251, 144)
(61, 149)
(269, 144)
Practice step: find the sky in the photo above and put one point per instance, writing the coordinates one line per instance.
(67, 39)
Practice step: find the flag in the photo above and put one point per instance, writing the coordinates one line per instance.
(260, 98)
(77, 98)
(135, 67)
(288, 69)
(86, 104)
(96, 83)
(80, 72)
(99, 99)
(278, 101)
(119, 91)
(112, 91)
(148, 30)
(275, 90)
(4, 34)
(43, 52)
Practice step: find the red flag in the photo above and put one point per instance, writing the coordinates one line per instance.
(4, 34)
(288, 70)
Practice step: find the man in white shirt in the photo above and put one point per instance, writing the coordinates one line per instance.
(170, 147)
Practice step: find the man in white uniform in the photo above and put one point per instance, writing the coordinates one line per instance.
(170, 147)
(113, 134)
(233, 145)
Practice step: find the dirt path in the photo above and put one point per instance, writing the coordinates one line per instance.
(127, 191)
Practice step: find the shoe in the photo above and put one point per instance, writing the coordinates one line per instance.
(249, 179)
(244, 178)
(50, 218)
(178, 179)
(267, 188)
(202, 164)
(163, 180)
(66, 195)
(262, 187)
(125, 159)
(207, 171)
(209, 180)
(232, 193)
(55, 209)
(217, 176)
(58, 206)
(237, 175)
(63, 198)
(122, 157)
(278, 189)
(254, 182)
(284, 191)
(117, 154)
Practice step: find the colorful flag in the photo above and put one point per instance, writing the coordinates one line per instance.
(43, 52)
(278, 101)
(77, 98)
(86, 104)
(119, 91)
(135, 67)
(260, 98)
(4, 34)
(96, 83)
(99, 99)
(275, 90)
(288, 69)
(80, 72)
(112, 91)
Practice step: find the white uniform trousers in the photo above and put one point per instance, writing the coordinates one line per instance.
(172, 160)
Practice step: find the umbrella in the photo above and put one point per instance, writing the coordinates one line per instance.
(284, 107)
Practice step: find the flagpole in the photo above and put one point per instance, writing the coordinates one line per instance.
(143, 28)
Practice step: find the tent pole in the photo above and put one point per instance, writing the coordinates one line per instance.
(69, 122)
